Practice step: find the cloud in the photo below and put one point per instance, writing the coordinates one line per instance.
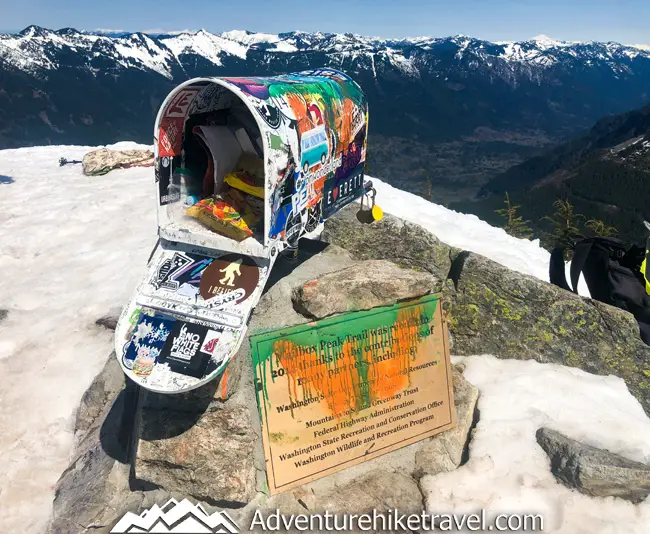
(640, 46)
(168, 32)
(105, 30)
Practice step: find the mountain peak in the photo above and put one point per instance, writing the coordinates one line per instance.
(547, 42)
(34, 31)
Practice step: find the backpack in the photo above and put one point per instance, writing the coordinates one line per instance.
(614, 272)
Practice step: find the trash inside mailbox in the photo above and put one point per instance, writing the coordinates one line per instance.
(244, 167)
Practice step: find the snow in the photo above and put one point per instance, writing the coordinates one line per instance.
(202, 44)
(544, 41)
(406, 65)
(508, 472)
(468, 232)
(462, 46)
(71, 249)
(214, 46)
(146, 52)
(249, 39)
(284, 46)
(523, 54)
(74, 248)
(32, 51)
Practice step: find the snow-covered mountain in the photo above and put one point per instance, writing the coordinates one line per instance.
(37, 50)
(456, 110)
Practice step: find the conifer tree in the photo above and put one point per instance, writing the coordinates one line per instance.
(565, 227)
(600, 229)
(515, 224)
(429, 193)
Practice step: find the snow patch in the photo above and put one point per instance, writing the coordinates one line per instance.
(146, 52)
(544, 41)
(640, 46)
(468, 232)
(508, 472)
(63, 268)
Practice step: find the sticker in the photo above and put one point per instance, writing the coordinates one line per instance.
(135, 316)
(181, 273)
(181, 351)
(147, 340)
(339, 192)
(170, 136)
(230, 273)
(210, 342)
(164, 175)
(179, 105)
(170, 306)
(211, 98)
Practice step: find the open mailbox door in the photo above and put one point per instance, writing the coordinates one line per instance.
(244, 167)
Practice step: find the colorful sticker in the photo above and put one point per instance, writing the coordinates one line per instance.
(315, 126)
(181, 273)
(170, 136)
(147, 340)
(179, 105)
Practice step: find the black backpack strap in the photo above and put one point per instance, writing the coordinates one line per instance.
(580, 255)
(557, 272)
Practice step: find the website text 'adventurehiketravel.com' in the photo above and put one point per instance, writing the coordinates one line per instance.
(394, 521)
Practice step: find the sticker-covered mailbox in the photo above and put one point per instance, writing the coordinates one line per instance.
(244, 167)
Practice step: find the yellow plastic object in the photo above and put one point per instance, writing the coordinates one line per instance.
(377, 213)
(241, 181)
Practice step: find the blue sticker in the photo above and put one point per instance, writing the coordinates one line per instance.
(148, 339)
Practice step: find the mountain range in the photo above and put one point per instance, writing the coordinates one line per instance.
(605, 174)
(449, 112)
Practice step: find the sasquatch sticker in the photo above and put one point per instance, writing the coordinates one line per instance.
(228, 274)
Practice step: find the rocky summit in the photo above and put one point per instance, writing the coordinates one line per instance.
(133, 451)
(494, 310)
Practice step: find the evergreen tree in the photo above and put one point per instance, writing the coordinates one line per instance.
(429, 193)
(515, 224)
(565, 227)
(600, 229)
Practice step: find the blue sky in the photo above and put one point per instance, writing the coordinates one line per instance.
(626, 21)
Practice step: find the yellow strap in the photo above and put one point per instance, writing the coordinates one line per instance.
(647, 284)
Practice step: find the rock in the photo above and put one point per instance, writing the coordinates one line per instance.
(593, 471)
(406, 244)
(363, 286)
(206, 445)
(210, 459)
(102, 392)
(444, 452)
(109, 320)
(3, 315)
(493, 310)
(275, 309)
(379, 490)
(95, 488)
(208, 397)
